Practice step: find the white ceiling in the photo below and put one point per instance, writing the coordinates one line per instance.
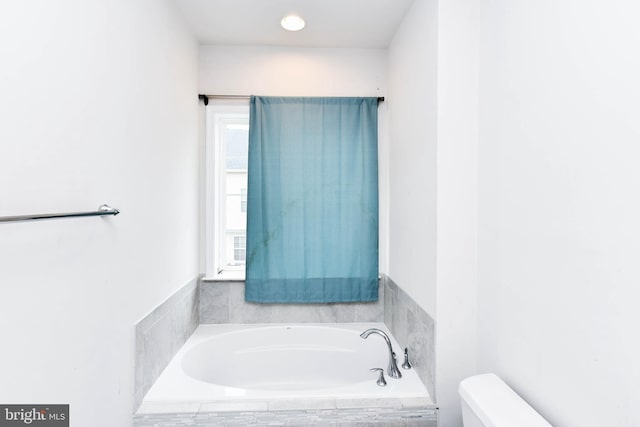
(330, 23)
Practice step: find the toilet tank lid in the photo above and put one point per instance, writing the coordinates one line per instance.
(496, 404)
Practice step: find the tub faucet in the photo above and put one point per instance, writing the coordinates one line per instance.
(393, 370)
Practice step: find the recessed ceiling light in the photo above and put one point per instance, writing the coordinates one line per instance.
(292, 23)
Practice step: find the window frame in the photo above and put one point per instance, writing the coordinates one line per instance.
(217, 112)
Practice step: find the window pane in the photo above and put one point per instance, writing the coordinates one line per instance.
(243, 200)
(236, 136)
(239, 247)
(236, 146)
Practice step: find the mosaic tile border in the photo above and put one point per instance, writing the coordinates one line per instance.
(424, 417)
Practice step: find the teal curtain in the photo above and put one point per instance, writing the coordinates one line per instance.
(312, 208)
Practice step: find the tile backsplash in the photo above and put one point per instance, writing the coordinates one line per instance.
(413, 328)
(223, 302)
(161, 333)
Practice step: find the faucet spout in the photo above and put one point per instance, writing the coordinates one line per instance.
(393, 370)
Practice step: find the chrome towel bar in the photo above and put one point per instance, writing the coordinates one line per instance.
(102, 210)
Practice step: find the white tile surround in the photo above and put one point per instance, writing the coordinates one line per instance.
(223, 302)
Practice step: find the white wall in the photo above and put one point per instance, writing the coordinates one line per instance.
(412, 103)
(287, 71)
(559, 206)
(433, 115)
(98, 105)
(457, 202)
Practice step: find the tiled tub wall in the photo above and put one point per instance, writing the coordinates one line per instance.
(413, 328)
(161, 333)
(223, 302)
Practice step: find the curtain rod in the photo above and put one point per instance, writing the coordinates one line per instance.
(206, 98)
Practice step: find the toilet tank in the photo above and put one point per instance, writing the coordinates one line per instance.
(487, 401)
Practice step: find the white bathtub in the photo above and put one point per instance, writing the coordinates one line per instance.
(282, 366)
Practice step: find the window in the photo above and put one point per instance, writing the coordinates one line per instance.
(239, 248)
(227, 139)
(243, 200)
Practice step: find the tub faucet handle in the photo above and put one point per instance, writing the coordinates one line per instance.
(381, 381)
(406, 364)
(393, 370)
